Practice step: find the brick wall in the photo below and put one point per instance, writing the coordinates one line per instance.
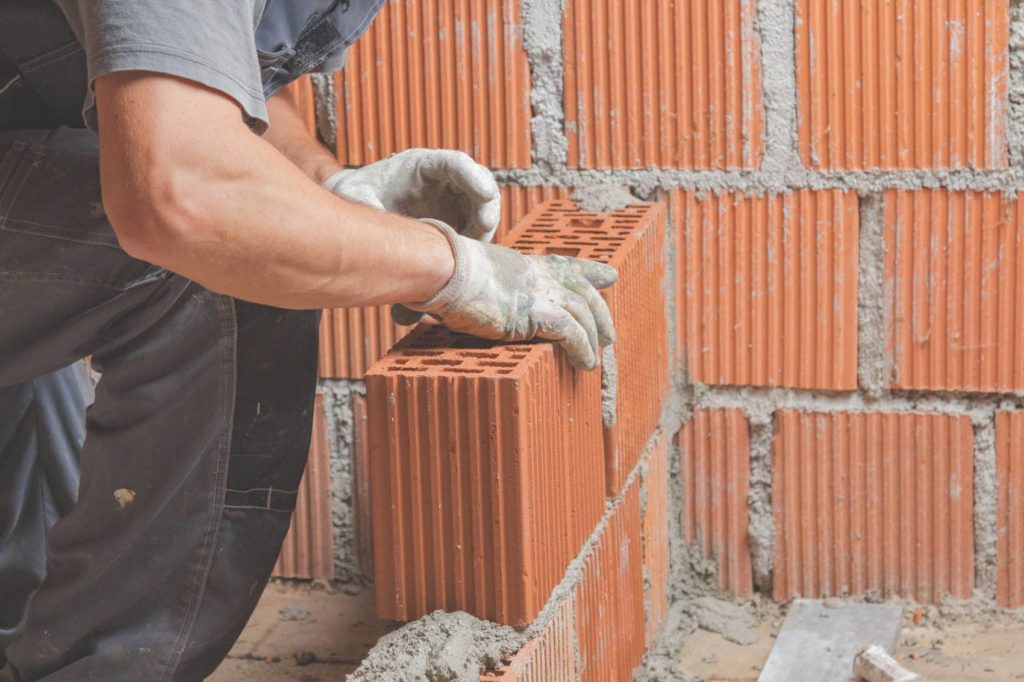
(841, 274)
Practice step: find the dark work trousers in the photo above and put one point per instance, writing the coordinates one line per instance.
(190, 456)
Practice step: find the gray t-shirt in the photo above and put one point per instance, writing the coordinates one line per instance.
(211, 42)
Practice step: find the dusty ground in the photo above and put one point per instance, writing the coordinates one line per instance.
(303, 634)
(955, 653)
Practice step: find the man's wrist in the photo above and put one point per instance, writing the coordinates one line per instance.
(442, 256)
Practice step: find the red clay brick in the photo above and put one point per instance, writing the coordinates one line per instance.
(352, 339)
(767, 288)
(548, 657)
(655, 538)
(517, 201)
(1010, 509)
(444, 74)
(486, 474)
(308, 549)
(873, 503)
(631, 240)
(361, 485)
(954, 308)
(715, 468)
(675, 83)
(610, 598)
(900, 84)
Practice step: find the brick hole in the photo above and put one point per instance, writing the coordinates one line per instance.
(481, 355)
(562, 251)
(442, 362)
(466, 370)
(497, 363)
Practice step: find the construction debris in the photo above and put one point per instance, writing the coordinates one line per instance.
(874, 664)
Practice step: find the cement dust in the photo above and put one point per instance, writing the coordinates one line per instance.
(440, 647)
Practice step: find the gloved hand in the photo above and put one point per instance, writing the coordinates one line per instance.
(440, 184)
(497, 293)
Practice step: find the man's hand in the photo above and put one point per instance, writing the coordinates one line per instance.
(439, 184)
(498, 293)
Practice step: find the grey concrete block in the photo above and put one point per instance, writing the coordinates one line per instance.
(818, 643)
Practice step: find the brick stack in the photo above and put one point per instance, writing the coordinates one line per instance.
(840, 189)
(491, 464)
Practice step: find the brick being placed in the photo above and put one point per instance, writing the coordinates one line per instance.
(872, 503)
(767, 288)
(902, 85)
(954, 307)
(671, 84)
(715, 470)
(487, 474)
(631, 240)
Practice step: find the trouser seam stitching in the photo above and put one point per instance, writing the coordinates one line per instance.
(198, 588)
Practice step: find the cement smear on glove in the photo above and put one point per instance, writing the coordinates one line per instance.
(440, 647)
(603, 198)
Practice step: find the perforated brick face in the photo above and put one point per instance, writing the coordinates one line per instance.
(487, 474)
(632, 240)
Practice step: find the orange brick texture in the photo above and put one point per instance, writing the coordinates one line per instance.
(1010, 509)
(673, 84)
(766, 289)
(308, 549)
(631, 240)
(953, 272)
(899, 84)
(715, 459)
(598, 632)
(873, 503)
(439, 74)
(656, 536)
(487, 474)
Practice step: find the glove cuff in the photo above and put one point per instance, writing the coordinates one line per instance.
(332, 182)
(450, 292)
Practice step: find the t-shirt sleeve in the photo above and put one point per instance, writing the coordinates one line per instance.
(211, 42)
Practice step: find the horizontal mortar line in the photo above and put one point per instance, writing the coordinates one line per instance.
(806, 400)
(759, 181)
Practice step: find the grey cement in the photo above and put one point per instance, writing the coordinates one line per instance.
(818, 643)
(542, 40)
(609, 387)
(1015, 125)
(985, 503)
(761, 528)
(338, 394)
(603, 198)
(774, 24)
(326, 118)
(872, 299)
(728, 619)
(440, 647)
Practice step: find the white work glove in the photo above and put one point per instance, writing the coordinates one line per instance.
(497, 293)
(440, 184)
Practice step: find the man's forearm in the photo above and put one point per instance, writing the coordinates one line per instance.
(288, 134)
(238, 217)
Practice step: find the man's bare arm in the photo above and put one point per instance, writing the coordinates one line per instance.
(288, 134)
(188, 187)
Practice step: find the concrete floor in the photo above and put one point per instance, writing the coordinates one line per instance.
(329, 632)
(295, 623)
(955, 653)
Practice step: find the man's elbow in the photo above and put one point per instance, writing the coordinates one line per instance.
(155, 218)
